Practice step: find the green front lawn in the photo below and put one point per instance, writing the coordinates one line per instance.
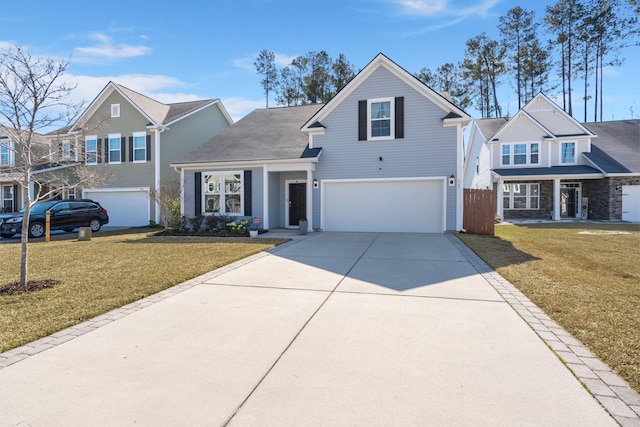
(587, 283)
(103, 274)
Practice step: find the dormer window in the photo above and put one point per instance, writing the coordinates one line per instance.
(568, 152)
(115, 110)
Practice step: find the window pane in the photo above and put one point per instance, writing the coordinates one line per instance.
(534, 153)
(381, 128)
(520, 154)
(506, 158)
(232, 203)
(232, 183)
(568, 152)
(212, 184)
(92, 145)
(211, 203)
(519, 202)
(380, 110)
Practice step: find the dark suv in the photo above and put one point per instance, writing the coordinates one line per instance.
(65, 215)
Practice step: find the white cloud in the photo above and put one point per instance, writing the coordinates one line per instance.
(443, 7)
(106, 49)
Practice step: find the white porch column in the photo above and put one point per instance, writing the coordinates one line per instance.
(32, 193)
(309, 200)
(265, 197)
(500, 201)
(556, 199)
(156, 168)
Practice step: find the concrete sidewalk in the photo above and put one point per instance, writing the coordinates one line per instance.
(332, 329)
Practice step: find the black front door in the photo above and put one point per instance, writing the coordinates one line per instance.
(297, 203)
(567, 202)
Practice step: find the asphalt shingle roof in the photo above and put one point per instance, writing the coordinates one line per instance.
(489, 127)
(553, 170)
(264, 134)
(617, 147)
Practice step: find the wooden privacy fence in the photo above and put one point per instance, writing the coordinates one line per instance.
(479, 211)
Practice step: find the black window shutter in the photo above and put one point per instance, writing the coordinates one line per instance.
(123, 148)
(198, 193)
(15, 198)
(148, 147)
(106, 150)
(247, 193)
(399, 117)
(362, 120)
(131, 149)
(99, 149)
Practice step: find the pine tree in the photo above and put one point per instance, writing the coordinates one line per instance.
(266, 66)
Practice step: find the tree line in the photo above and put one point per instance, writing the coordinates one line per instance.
(583, 38)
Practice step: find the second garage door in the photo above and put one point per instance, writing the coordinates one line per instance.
(398, 205)
(126, 207)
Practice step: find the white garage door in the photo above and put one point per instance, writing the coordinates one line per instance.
(631, 203)
(126, 207)
(398, 205)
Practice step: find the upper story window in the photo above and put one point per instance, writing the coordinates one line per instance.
(66, 149)
(139, 147)
(115, 110)
(7, 155)
(527, 153)
(91, 150)
(568, 152)
(381, 118)
(223, 192)
(115, 148)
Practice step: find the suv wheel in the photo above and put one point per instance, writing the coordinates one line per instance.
(36, 230)
(95, 225)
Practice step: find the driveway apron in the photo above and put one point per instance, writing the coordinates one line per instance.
(335, 329)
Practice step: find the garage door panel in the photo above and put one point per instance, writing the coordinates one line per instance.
(394, 206)
(125, 208)
(631, 203)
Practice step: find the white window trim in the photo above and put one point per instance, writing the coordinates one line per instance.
(392, 115)
(512, 154)
(575, 153)
(115, 111)
(223, 201)
(119, 150)
(13, 208)
(144, 146)
(86, 152)
(528, 197)
(66, 151)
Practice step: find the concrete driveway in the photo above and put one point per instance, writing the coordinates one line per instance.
(336, 329)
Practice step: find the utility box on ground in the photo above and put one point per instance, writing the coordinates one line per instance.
(84, 234)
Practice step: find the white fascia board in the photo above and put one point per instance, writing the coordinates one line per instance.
(559, 110)
(522, 115)
(547, 177)
(55, 168)
(244, 164)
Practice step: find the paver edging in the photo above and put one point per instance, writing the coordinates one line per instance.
(613, 392)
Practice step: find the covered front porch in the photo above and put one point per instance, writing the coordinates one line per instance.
(287, 191)
(567, 194)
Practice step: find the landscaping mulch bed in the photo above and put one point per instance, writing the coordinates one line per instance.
(32, 285)
(204, 234)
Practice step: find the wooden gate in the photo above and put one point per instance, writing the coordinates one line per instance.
(479, 211)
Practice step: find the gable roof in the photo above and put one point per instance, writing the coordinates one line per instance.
(156, 112)
(451, 112)
(616, 150)
(489, 127)
(262, 135)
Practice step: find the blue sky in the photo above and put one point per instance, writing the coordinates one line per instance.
(179, 51)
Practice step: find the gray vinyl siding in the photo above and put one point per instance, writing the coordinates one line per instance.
(276, 199)
(427, 149)
(187, 134)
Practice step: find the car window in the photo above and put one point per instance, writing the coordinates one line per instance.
(41, 207)
(62, 207)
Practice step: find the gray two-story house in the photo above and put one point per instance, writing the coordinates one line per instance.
(132, 139)
(385, 154)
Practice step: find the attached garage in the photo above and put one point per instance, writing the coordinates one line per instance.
(126, 207)
(631, 203)
(384, 205)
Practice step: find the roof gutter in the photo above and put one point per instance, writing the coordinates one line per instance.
(236, 163)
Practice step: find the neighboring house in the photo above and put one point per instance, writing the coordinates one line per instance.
(546, 165)
(45, 167)
(133, 138)
(383, 155)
